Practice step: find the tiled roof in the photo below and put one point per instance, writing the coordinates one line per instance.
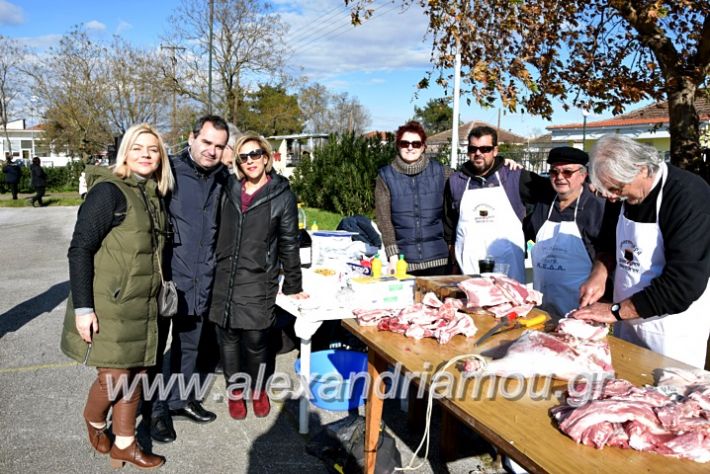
(651, 114)
(503, 135)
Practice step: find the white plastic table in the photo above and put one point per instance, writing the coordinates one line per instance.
(325, 303)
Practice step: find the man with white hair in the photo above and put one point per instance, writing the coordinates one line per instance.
(661, 255)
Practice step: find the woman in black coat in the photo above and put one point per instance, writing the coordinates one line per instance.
(258, 237)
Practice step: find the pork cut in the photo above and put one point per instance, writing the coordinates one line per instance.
(567, 353)
(642, 418)
(430, 318)
(499, 294)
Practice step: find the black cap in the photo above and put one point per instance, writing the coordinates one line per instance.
(567, 154)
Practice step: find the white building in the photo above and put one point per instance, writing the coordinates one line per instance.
(25, 144)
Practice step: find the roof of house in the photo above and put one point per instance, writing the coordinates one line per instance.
(376, 133)
(651, 114)
(504, 136)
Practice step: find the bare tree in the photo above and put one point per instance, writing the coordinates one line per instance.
(11, 80)
(92, 92)
(135, 93)
(247, 46)
(327, 112)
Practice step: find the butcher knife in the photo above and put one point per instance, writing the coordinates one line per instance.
(505, 325)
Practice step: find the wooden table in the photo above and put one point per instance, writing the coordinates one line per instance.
(520, 428)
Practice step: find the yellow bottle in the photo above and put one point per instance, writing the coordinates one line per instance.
(314, 226)
(376, 266)
(401, 268)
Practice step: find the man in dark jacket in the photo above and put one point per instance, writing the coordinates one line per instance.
(12, 172)
(193, 207)
(484, 206)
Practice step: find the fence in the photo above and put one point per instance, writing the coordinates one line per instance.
(532, 159)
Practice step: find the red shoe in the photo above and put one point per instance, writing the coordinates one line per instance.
(262, 407)
(237, 406)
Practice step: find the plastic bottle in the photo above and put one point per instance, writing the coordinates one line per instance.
(376, 266)
(314, 226)
(301, 217)
(305, 243)
(401, 268)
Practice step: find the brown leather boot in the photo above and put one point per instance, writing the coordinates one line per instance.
(134, 455)
(98, 438)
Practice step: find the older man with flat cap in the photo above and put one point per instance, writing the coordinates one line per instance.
(566, 232)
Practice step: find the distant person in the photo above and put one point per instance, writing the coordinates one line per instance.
(258, 238)
(13, 174)
(409, 205)
(111, 321)
(485, 204)
(228, 153)
(661, 257)
(567, 231)
(39, 181)
(194, 209)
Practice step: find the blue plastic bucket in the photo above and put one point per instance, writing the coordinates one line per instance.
(337, 379)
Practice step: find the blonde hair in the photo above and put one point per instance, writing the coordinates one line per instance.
(263, 143)
(163, 175)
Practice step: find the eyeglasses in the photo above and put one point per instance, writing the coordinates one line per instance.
(554, 172)
(416, 144)
(483, 149)
(254, 154)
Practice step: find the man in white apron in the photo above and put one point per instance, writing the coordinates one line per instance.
(662, 252)
(485, 204)
(565, 232)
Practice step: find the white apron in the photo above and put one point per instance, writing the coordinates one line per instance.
(640, 257)
(488, 226)
(560, 264)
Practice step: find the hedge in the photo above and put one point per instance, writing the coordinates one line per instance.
(59, 179)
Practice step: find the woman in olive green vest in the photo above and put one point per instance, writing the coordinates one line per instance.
(114, 267)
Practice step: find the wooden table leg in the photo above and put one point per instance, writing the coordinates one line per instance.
(448, 443)
(373, 410)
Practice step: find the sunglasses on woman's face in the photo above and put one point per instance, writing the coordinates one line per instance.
(416, 144)
(254, 154)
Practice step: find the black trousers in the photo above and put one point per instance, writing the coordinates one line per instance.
(246, 351)
(39, 193)
(13, 189)
(180, 361)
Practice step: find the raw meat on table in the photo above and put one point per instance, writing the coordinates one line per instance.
(643, 418)
(568, 352)
(431, 318)
(500, 295)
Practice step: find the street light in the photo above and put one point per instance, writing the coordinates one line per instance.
(585, 113)
(33, 101)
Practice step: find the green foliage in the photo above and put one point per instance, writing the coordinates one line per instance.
(436, 116)
(271, 111)
(65, 178)
(341, 175)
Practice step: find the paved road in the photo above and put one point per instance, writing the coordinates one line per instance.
(42, 393)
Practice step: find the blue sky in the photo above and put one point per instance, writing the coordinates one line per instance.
(379, 62)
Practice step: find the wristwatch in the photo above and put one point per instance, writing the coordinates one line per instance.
(615, 310)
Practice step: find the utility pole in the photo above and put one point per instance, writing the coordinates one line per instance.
(209, 80)
(173, 61)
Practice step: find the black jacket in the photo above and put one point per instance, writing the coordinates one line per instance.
(251, 249)
(194, 212)
(39, 177)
